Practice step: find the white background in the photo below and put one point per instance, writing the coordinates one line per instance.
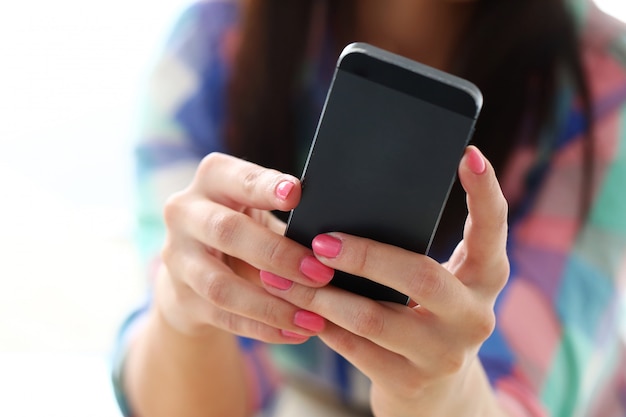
(71, 72)
(70, 76)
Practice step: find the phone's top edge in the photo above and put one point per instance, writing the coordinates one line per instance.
(364, 48)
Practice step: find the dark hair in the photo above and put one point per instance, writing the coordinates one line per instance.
(514, 51)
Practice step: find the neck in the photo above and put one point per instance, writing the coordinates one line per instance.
(424, 30)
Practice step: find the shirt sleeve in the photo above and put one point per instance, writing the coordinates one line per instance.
(182, 112)
(182, 120)
(558, 345)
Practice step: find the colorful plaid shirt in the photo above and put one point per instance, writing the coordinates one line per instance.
(558, 348)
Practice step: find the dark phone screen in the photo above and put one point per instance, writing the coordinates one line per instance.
(381, 167)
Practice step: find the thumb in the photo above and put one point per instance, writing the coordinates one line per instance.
(486, 228)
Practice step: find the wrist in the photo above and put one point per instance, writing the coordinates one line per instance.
(469, 394)
(479, 391)
(133, 325)
(169, 372)
(466, 394)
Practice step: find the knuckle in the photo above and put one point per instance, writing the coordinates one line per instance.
(223, 227)
(369, 322)
(221, 319)
(168, 256)
(307, 298)
(215, 289)
(269, 314)
(501, 214)
(504, 271)
(484, 326)
(497, 270)
(174, 209)
(493, 189)
(362, 259)
(426, 282)
(273, 251)
(251, 179)
(173, 263)
(209, 162)
(263, 332)
(345, 343)
(478, 323)
(167, 251)
(229, 322)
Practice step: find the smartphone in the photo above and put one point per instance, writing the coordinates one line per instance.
(385, 155)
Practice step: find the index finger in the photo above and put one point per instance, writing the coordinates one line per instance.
(486, 227)
(238, 184)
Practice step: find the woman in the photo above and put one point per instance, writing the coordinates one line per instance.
(248, 79)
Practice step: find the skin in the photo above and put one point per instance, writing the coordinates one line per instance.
(431, 369)
(424, 30)
(227, 270)
(209, 289)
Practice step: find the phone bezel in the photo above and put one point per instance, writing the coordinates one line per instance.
(411, 77)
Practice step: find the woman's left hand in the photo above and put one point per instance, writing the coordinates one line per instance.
(422, 359)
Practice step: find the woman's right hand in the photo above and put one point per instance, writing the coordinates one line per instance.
(220, 233)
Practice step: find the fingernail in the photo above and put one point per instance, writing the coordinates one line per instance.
(476, 161)
(309, 321)
(293, 335)
(316, 270)
(327, 246)
(275, 281)
(283, 189)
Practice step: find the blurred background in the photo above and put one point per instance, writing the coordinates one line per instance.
(71, 77)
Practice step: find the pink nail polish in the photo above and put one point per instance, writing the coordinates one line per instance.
(293, 335)
(476, 161)
(310, 321)
(327, 246)
(316, 270)
(275, 281)
(284, 189)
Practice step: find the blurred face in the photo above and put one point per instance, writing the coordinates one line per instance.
(425, 30)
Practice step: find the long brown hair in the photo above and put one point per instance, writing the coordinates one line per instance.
(513, 50)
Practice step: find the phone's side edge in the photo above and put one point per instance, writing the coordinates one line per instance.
(454, 178)
(312, 146)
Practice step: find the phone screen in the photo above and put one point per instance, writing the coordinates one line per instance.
(381, 166)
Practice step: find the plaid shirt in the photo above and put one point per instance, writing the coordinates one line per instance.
(558, 348)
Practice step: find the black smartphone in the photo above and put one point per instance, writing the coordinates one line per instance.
(385, 155)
